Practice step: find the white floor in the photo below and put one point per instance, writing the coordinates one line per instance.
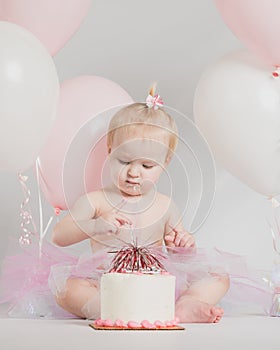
(242, 332)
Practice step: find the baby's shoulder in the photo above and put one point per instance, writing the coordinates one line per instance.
(91, 199)
(91, 203)
(168, 205)
(95, 195)
(165, 202)
(162, 198)
(105, 199)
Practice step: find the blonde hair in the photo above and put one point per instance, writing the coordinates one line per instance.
(139, 118)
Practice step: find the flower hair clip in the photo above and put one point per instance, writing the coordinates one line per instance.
(154, 101)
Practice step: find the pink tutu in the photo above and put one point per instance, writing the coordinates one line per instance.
(30, 280)
(247, 286)
(24, 280)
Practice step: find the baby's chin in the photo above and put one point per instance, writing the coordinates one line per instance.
(130, 193)
(136, 194)
(136, 190)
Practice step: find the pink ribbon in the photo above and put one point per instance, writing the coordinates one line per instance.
(25, 213)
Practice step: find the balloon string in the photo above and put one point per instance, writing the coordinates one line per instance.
(42, 231)
(26, 216)
(274, 202)
(28, 234)
(41, 225)
(274, 281)
(275, 232)
(42, 178)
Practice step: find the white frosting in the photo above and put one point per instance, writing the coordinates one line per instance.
(137, 297)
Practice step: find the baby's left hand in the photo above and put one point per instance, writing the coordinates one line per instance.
(179, 238)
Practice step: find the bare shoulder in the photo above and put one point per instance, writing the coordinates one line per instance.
(101, 200)
(169, 206)
(87, 205)
(163, 198)
(165, 202)
(95, 196)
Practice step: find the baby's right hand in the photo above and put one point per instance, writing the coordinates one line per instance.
(179, 238)
(110, 223)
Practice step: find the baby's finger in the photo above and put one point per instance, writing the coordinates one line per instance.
(178, 238)
(113, 227)
(170, 244)
(187, 241)
(170, 236)
(123, 219)
(191, 243)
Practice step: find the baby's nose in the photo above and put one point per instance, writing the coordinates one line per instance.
(134, 171)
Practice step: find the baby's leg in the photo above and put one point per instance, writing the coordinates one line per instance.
(210, 289)
(81, 298)
(197, 303)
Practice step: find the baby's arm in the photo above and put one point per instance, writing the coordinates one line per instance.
(175, 235)
(83, 222)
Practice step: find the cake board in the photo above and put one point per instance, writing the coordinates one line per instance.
(116, 328)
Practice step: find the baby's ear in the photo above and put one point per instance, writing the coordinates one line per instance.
(168, 159)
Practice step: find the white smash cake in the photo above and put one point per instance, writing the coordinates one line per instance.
(137, 292)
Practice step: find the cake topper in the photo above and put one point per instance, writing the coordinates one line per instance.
(132, 258)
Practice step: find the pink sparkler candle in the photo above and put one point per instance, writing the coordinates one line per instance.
(131, 259)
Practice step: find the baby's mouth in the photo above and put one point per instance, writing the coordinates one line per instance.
(133, 183)
(134, 186)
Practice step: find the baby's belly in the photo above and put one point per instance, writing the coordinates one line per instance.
(140, 237)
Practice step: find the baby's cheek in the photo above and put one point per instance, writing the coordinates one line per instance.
(117, 171)
(147, 184)
(154, 176)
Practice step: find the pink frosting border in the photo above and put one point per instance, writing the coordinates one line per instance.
(132, 324)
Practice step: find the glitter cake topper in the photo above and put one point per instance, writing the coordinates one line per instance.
(131, 259)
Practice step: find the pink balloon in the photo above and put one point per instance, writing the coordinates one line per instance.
(256, 23)
(72, 159)
(53, 22)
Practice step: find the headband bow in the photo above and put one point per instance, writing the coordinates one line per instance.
(154, 101)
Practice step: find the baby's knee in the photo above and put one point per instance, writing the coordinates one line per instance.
(76, 294)
(63, 295)
(73, 288)
(224, 280)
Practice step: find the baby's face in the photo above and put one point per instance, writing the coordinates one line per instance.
(136, 164)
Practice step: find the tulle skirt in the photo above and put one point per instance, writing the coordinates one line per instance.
(32, 278)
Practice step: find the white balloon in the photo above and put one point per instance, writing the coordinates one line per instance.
(29, 90)
(237, 108)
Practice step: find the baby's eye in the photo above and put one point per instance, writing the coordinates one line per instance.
(148, 166)
(123, 162)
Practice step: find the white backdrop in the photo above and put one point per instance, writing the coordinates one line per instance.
(135, 43)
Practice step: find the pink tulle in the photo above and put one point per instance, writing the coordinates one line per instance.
(24, 280)
(247, 286)
(31, 280)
